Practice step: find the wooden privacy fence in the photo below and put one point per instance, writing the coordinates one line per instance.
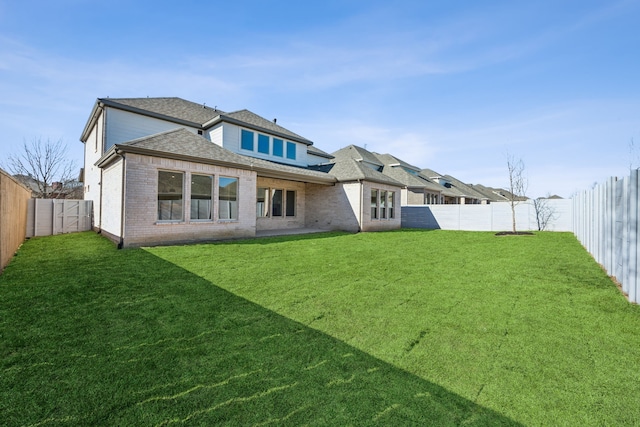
(56, 216)
(13, 216)
(606, 223)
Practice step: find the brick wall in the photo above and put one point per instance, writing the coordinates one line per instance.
(141, 226)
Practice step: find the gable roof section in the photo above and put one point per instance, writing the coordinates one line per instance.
(182, 144)
(318, 152)
(465, 189)
(167, 108)
(409, 180)
(349, 170)
(357, 153)
(187, 113)
(390, 160)
(252, 120)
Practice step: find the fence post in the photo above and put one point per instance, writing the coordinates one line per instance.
(632, 265)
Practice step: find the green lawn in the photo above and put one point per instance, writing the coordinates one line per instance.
(397, 328)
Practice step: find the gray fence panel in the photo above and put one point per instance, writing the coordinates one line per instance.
(492, 217)
(606, 223)
(56, 216)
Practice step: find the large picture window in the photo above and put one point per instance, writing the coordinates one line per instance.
(246, 140)
(383, 204)
(276, 203)
(374, 204)
(262, 202)
(228, 198)
(201, 189)
(290, 203)
(170, 190)
(390, 196)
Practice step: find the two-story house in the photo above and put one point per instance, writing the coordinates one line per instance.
(167, 170)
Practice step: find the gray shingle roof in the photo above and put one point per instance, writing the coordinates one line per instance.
(198, 115)
(347, 169)
(357, 153)
(176, 108)
(388, 159)
(183, 144)
(464, 188)
(410, 180)
(246, 116)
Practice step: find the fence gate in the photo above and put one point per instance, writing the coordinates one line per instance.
(56, 216)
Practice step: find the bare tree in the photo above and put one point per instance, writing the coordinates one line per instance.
(44, 167)
(545, 213)
(517, 185)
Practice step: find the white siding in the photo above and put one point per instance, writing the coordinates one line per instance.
(112, 198)
(215, 135)
(93, 150)
(312, 159)
(123, 126)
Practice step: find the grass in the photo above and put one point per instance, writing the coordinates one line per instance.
(396, 328)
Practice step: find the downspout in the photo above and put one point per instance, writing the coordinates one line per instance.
(122, 200)
(361, 213)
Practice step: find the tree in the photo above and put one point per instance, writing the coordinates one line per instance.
(545, 213)
(517, 185)
(44, 167)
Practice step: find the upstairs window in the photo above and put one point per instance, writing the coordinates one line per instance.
(246, 140)
(263, 144)
(170, 196)
(291, 150)
(278, 147)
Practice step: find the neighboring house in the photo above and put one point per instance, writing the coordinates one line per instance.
(417, 189)
(455, 191)
(167, 170)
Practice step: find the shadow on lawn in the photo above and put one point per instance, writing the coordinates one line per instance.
(136, 340)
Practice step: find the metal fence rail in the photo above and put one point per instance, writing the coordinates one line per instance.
(606, 223)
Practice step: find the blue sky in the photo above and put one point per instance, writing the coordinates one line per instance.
(450, 86)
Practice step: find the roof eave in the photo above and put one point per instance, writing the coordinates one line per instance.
(117, 149)
(225, 118)
(113, 104)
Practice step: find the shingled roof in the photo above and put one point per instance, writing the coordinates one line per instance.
(181, 111)
(348, 170)
(185, 145)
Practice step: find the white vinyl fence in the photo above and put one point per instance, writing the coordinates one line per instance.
(606, 223)
(46, 217)
(492, 217)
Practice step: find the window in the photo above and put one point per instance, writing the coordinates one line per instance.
(390, 196)
(246, 140)
(276, 203)
(383, 204)
(262, 203)
(201, 188)
(291, 150)
(170, 196)
(290, 203)
(228, 198)
(374, 204)
(278, 149)
(263, 144)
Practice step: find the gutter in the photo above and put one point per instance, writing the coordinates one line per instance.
(123, 198)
